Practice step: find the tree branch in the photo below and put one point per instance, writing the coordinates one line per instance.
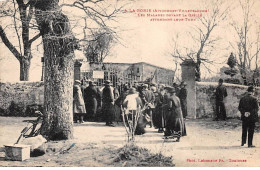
(8, 44)
(34, 38)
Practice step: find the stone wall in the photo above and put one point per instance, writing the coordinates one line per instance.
(205, 104)
(17, 97)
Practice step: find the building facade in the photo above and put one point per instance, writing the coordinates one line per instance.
(122, 73)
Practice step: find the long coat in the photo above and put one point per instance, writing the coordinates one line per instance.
(158, 116)
(107, 104)
(78, 102)
(249, 103)
(174, 118)
(90, 97)
(183, 100)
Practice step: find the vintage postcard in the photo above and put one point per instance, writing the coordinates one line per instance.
(129, 83)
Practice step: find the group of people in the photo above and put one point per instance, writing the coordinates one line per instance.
(163, 107)
(85, 101)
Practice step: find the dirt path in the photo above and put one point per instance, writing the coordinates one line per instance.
(218, 142)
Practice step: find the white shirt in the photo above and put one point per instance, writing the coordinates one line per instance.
(131, 101)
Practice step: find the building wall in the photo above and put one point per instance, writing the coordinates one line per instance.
(131, 72)
(162, 76)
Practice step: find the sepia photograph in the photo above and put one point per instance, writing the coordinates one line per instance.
(129, 83)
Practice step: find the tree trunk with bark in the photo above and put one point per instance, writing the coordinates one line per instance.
(58, 44)
(24, 69)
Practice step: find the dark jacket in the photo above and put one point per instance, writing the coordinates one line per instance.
(148, 96)
(107, 95)
(90, 93)
(249, 103)
(90, 98)
(221, 93)
(183, 94)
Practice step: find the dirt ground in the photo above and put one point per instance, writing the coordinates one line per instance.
(209, 143)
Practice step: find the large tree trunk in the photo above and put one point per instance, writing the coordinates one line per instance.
(24, 69)
(58, 43)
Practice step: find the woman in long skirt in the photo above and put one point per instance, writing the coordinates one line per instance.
(175, 121)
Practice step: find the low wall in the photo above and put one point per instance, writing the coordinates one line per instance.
(16, 98)
(205, 104)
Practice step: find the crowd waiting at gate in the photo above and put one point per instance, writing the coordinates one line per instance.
(163, 107)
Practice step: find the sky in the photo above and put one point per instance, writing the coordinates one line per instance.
(141, 40)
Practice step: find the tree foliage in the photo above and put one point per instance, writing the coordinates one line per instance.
(99, 47)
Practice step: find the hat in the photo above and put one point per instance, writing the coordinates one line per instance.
(184, 83)
(92, 83)
(172, 90)
(250, 89)
(145, 85)
(108, 82)
(153, 88)
(77, 81)
(132, 90)
(167, 87)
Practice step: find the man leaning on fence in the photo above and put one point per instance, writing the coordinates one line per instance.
(248, 106)
(221, 94)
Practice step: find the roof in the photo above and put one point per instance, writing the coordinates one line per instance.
(139, 63)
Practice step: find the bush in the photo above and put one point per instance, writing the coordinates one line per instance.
(20, 110)
(132, 155)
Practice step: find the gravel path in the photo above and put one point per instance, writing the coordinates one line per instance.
(208, 143)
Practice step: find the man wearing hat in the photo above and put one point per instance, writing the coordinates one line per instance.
(108, 104)
(78, 103)
(183, 98)
(174, 118)
(90, 98)
(177, 89)
(220, 94)
(248, 106)
(148, 98)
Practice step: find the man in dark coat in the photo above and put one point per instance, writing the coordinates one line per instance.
(220, 94)
(174, 119)
(148, 98)
(248, 106)
(159, 119)
(90, 98)
(177, 88)
(183, 98)
(108, 104)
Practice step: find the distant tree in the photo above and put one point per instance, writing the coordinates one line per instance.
(201, 37)
(247, 45)
(21, 14)
(99, 47)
